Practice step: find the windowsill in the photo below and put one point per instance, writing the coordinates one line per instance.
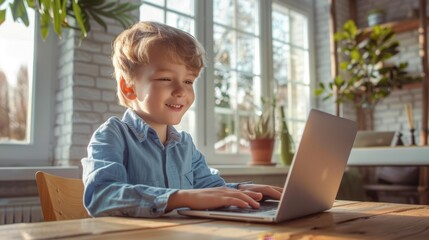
(27, 173)
(239, 170)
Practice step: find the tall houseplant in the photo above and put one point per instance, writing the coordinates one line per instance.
(60, 12)
(366, 77)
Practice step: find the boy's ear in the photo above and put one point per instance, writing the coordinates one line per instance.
(127, 92)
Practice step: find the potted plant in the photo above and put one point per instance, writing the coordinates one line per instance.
(260, 132)
(365, 76)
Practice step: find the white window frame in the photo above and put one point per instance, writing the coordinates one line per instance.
(205, 102)
(39, 150)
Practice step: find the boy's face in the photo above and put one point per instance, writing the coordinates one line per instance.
(163, 91)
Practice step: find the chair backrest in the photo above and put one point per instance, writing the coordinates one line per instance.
(61, 198)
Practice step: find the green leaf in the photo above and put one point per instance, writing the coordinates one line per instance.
(319, 91)
(19, 11)
(63, 11)
(327, 97)
(344, 65)
(78, 14)
(30, 3)
(355, 55)
(350, 27)
(56, 11)
(2, 16)
(98, 20)
(339, 81)
(44, 24)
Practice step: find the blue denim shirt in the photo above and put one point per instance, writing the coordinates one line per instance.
(129, 172)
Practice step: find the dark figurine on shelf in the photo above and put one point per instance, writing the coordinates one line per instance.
(413, 139)
(399, 141)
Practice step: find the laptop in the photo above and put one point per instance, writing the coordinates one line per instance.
(374, 139)
(314, 176)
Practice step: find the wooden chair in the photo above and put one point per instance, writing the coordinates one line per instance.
(61, 198)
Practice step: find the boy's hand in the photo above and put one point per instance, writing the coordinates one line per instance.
(213, 198)
(266, 190)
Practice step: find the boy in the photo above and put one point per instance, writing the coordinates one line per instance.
(141, 166)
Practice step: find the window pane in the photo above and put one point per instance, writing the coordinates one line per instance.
(222, 88)
(299, 33)
(247, 17)
(281, 63)
(226, 140)
(151, 13)
(247, 92)
(248, 54)
(224, 47)
(181, 22)
(280, 26)
(300, 98)
(223, 12)
(182, 6)
(300, 66)
(16, 71)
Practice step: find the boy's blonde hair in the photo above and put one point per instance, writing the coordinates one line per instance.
(131, 50)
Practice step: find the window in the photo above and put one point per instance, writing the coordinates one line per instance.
(26, 94)
(16, 67)
(254, 48)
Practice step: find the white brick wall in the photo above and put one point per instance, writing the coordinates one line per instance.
(86, 95)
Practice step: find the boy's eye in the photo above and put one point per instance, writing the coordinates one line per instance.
(162, 79)
(189, 82)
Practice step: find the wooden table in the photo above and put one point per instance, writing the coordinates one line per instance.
(346, 220)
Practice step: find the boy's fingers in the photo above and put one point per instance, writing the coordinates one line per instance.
(232, 201)
(273, 193)
(255, 195)
(248, 197)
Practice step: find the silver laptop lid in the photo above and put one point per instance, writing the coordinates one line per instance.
(318, 166)
(374, 139)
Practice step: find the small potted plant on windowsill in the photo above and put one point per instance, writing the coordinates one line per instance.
(260, 132)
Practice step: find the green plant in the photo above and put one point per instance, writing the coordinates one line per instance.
(60, 12)
(365, 76)
(262, 126)
(286, 141)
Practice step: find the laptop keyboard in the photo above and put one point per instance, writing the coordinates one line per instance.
(264, 207)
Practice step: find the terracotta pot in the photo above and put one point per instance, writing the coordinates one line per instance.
(262, 151)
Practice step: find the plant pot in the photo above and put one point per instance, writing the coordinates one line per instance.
(375, 18)
(262, 151)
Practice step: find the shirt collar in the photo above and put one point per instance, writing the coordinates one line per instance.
(141, 129)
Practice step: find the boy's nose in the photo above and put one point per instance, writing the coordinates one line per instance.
(179, 90)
